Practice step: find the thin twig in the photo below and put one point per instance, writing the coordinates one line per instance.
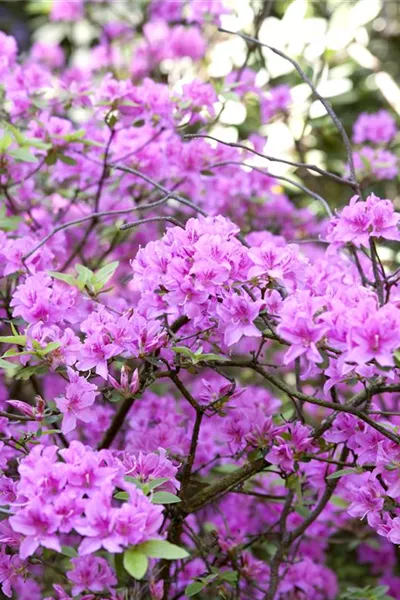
(300, 186)
(291, 163)
(98, 215)
(328, 107)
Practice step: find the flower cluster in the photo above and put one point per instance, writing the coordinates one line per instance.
(54, 498)
(375, 162)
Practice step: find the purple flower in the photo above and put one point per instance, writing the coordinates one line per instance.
(65, 10)
(277, 100)
(75, 405)
(96, 351)
(38, 523)
(375, 338)
(359, 221)
(367, 500)
(377, 163)
(91, 573)
(126, 387)
(147, 467)
(98, 526)
(281, 455)
(237, 314)
(379, 127)
(11, 569)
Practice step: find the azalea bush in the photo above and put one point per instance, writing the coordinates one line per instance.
(200, 360)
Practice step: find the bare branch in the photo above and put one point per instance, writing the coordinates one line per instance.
(300, 186)
(291, 163)
(328, 107)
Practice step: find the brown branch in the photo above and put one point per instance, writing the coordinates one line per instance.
(152, 220)
(287, 539)
(224, 485)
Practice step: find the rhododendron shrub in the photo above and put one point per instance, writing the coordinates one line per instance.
(200, 381)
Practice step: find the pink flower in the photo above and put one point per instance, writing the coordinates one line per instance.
(367, 500)
(376, 163)
(361, 220)
(237, 314)
(91, 573)
(375, 338)
(379, 127)
(303, 334)
(97, 350)
(50, 54)
(75, 405)
(126, 387)
(98, 526)
(67, 10)
(39, 299)
(8, 52)
(277, 100)
(393, 530)
(11, 568)
(281, 455)
(38, 523)
(150, 466)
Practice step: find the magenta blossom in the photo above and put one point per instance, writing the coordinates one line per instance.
(76, 404)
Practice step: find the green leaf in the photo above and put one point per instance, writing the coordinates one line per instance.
(8, 223)
(27, 372)
(75, 136)
(50, 348)
(121, 496)
(103, 275)
(53, 419)
(51, 158)
(229, 576)
(36, 143)
(341, 472)
(119, 566)
(338, 501)
(22, 155)
(68, 160)
(5, 142)
(165, 498)
(12, 352)
(198, 356)
(64, 277)
(194, 588)
(154, 483)
(136, 563)
(213, 357)
(69, 551)
(162, 549)
(133, 480)
(86, 276)
(39, 7)
(302, 510)
(183, 350)
(7, 366)
(20, 340)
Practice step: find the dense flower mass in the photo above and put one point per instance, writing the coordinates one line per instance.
(217, 387)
